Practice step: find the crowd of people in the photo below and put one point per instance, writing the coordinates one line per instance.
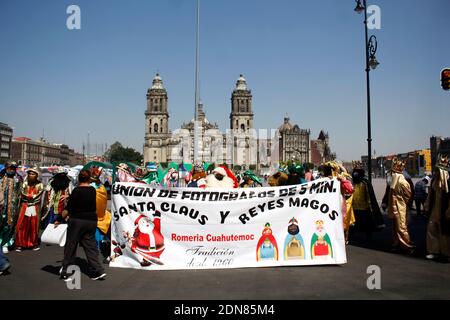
(26, 205)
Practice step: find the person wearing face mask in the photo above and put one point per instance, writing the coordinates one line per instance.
(9, 195)
(56, 197)
(27, 228)
(368, 216)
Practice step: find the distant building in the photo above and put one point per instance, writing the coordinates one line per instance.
(438, 145)
(294, 142)
(417, 163)
(76, 158)
(320, 150)
(211, 140)
(234, 148)
(241, 146)
(26, 151)
(6, 133)
(424, 162)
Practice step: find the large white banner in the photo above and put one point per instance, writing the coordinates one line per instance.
(190, 228)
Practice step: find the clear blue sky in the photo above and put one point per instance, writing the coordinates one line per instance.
(304, 58)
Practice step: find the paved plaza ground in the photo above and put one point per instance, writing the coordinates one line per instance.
(34, 275)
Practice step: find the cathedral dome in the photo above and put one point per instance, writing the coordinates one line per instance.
(157, 82)
(286, 126)
(241, 83)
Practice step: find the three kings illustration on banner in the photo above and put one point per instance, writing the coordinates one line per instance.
(321, 243)
(267, 248)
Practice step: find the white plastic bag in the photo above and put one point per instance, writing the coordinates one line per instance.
(55, 235)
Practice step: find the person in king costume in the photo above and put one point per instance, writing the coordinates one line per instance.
(124, 173)
(267, 248)
(437, 207)
(147, 175)
(367, 212)
(321, 243)
(170, 180)
(250, 180)
(294, 247)
(196, 178)
(296, 174)
(9, 198)
(147, 240)
(398, 197)
(332, 169)
(278, 179)
(56, 197)
(27, 228)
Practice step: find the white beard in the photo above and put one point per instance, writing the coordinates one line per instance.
(225, 183)
(148, 229)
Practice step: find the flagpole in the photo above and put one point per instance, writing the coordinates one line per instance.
(196, 84)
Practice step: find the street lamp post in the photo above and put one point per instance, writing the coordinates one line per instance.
(371, 63)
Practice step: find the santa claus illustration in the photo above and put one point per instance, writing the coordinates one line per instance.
(147, 240)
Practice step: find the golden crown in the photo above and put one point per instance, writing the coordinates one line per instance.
(398, 165)
(319, 222)
(357, 165)
(332, 164)
(443, 162)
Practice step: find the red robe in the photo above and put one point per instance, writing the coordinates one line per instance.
(27, 228)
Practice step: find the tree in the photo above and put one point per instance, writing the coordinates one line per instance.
(118, 153)
(112, 150)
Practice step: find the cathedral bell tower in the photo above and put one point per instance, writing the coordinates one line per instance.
(156, 123)
(241, 124)
(241, 116)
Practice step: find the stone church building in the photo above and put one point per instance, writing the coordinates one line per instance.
(238, 146)
(241, 145)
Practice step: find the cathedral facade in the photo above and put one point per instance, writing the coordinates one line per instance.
(241, 145)
(293, 142)
(238, 146)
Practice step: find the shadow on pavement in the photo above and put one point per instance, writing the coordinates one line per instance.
(81, 263)
(382, 239)
(51, 269)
